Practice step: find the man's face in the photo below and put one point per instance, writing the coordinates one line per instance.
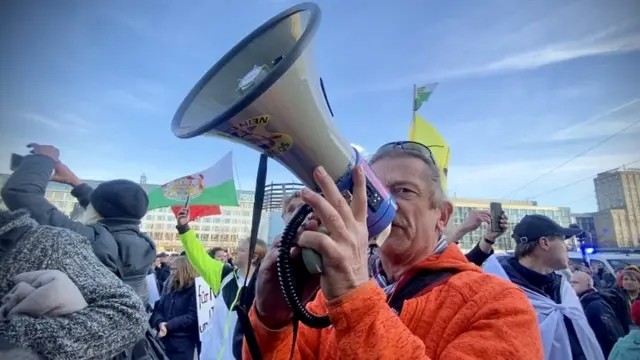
(220, 255)
(418, 225)
(555, 252)
(293, 205)
(579, 282)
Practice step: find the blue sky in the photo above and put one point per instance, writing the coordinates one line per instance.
(524, 86)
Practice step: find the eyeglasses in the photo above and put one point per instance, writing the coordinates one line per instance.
(409, 146)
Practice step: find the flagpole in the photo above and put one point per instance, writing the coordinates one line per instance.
(413, 114)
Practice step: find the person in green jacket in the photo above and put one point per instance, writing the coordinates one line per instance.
(226, 284)
(628, 347)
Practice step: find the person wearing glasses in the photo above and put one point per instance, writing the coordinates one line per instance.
(457, 311)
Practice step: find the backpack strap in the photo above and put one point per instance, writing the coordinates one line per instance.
(417, 285)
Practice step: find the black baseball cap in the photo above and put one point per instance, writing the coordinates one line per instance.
(533, 227)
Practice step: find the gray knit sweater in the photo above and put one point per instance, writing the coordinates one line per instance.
(115, 316)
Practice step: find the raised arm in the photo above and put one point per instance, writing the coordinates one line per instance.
(25, 189)
(113, 320)
(209, 268)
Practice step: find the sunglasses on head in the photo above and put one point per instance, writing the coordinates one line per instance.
(409, 146)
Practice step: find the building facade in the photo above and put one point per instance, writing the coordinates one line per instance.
(587, 222)
(235, 222)
(618, 218)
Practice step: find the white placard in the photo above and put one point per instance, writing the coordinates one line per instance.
(205, 298)
(152, 289)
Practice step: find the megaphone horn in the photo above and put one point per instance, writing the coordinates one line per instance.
(264, 93)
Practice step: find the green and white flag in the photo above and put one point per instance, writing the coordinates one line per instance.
(213, 186)
(422, 94)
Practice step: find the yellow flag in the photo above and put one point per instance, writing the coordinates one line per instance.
(426, 134)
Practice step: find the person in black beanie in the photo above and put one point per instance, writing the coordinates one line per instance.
(111, 220)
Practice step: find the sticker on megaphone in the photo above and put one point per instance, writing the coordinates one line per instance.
(254, 131)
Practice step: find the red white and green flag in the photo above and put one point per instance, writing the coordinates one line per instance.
(206, 190)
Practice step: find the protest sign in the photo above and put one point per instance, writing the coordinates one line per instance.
(205, 298)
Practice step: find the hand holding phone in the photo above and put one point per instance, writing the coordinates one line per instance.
(496, 215)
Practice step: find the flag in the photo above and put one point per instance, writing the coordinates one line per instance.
(426, 134)
(422, 94)
(198, 211)
(213, 186)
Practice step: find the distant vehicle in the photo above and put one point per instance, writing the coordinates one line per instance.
(611, 260)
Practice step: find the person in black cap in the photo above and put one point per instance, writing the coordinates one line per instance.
(540, 252)
(111, 220)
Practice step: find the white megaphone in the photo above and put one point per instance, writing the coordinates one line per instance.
(264, 93)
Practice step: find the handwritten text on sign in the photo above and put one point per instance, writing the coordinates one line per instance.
(205, 299)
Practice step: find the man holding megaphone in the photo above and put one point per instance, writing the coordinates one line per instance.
(432, 303)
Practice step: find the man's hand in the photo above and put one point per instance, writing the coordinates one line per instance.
(474, 220)
(63, 175)
(504, 225)
(162, 330)
(183, 217)
(344, 252)
(47, 150)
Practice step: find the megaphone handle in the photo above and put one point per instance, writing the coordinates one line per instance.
(313, 260)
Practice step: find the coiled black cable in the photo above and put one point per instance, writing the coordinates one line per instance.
(286, 276)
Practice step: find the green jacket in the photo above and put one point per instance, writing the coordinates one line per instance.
(211, 270)
(627, 348)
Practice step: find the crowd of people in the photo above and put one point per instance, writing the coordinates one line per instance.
(77, 289)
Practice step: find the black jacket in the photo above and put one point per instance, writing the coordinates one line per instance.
(547, 285)
(248, 295)
(602, 319)
(179, 309)
(162, 274)
(118, 243)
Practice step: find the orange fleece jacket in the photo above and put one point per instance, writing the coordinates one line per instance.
(472, 316)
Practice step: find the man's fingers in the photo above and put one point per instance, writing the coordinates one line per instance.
(485, 218)
(328, 215)
(332, 194)
(359, 201)
(319, 242)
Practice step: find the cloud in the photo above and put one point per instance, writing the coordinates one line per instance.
(599, 126)
(611, 40)
(501, 178)
(594, 45)
(38, 118)
(131, 100)
(64, 121)
(359, 148)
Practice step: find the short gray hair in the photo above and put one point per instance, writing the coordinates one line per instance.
(438, 196)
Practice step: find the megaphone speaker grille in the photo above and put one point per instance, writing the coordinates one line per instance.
(247, 71)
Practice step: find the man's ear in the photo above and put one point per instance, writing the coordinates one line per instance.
(445, 215)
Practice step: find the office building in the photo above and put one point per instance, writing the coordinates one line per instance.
(617, 221)
(224, 230)
(586, 222)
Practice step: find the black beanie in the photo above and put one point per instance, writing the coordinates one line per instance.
(120, 199)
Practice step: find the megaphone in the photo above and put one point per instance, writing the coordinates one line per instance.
(264, 93)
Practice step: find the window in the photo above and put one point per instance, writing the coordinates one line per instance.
(619, 264)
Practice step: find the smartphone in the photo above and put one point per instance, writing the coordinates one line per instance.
(496, 214)
(16, 160)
